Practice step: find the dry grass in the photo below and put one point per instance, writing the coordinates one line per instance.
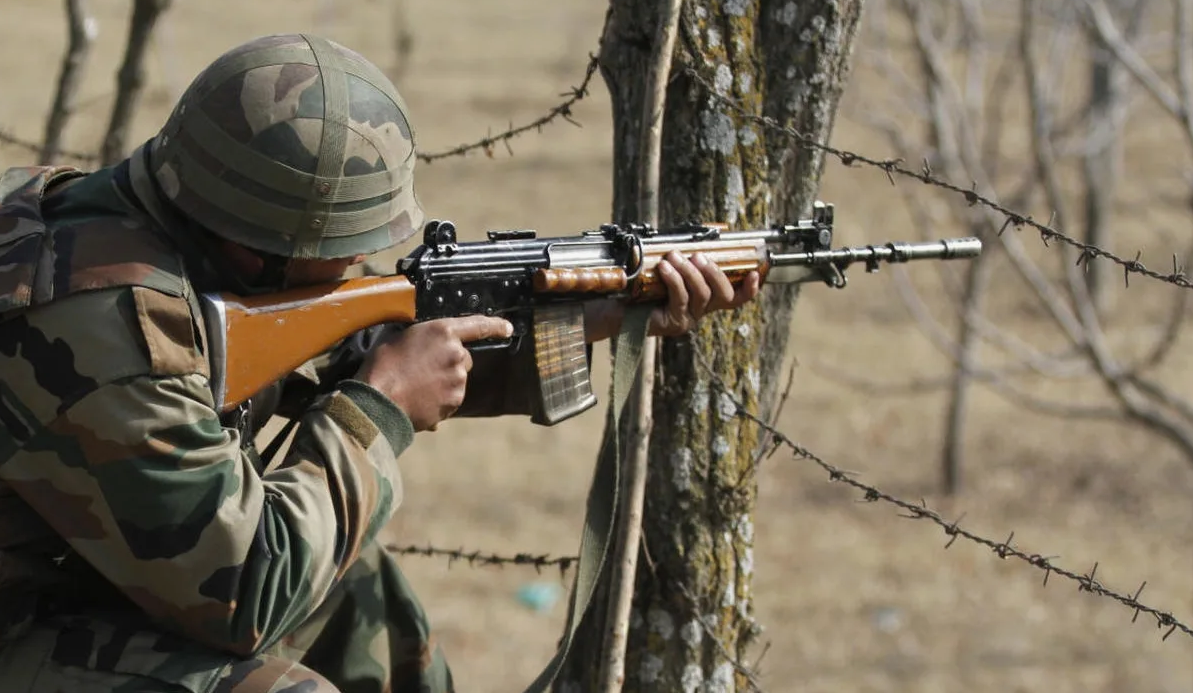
(852, 598)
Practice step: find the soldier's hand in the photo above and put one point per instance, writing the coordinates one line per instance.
(424, 368)
(695, 288)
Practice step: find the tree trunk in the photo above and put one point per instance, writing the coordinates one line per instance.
(789, 61)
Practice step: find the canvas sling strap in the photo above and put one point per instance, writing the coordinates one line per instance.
(597, 533)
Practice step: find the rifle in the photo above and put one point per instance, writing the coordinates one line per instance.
(539, 284)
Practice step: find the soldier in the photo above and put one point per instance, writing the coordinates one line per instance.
(144, 542)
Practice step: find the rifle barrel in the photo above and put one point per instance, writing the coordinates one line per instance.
(897, 251)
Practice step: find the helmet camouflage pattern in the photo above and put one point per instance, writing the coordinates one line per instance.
(295, 146)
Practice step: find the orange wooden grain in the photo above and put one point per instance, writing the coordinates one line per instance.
(269, 336)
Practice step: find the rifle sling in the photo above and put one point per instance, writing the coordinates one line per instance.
(597, 534)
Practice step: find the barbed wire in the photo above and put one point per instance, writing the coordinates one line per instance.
(1003, 549)
(7, 138)
(892, 167)
(895, 166)
(479, 558)
(561, 111)
(1087, 582)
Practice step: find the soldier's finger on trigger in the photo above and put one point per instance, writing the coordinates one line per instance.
(471, 328)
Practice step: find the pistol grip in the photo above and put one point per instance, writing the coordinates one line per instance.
(561, 364)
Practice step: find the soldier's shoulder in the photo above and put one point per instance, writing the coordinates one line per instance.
(88, 294)
(64, 232)
(55, 354)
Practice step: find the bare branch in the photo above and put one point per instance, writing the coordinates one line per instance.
(1183, 52)
(997, 380)
(1099, 19)
(980, 225)
(1104, 29)
(82, 30)
(1054, 365)
(8, 139)
(977, 282)
(1171, 330)
(403, 36)
(131, 78)
(1164, 396)
(954, 142)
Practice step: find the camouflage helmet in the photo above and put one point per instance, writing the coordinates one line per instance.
(295, 146)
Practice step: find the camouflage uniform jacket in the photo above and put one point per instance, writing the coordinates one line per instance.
(111, 450)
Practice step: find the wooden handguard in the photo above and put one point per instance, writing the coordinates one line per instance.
(736, 260)
(596, 279)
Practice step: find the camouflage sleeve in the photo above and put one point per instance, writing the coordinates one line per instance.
(121, 451)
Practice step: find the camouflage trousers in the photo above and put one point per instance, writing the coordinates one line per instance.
(371, 634)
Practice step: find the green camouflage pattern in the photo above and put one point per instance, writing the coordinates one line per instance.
(37, 263)
(367, 635)
(219, 575)
(295, 146)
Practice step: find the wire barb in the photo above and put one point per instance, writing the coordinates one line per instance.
(562, 111)
(478, 558)
(11, 140)
(921, 511)
(892, 167)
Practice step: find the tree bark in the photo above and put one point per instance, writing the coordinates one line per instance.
(692, 617)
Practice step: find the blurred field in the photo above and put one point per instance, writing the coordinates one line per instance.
(851, 597)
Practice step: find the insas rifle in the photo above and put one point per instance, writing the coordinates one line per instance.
(539, 284)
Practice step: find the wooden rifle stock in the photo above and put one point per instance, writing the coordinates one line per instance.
(255, 341)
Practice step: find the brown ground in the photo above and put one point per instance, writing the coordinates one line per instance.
(852, 597)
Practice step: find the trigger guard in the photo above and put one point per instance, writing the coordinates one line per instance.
(514, 344)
